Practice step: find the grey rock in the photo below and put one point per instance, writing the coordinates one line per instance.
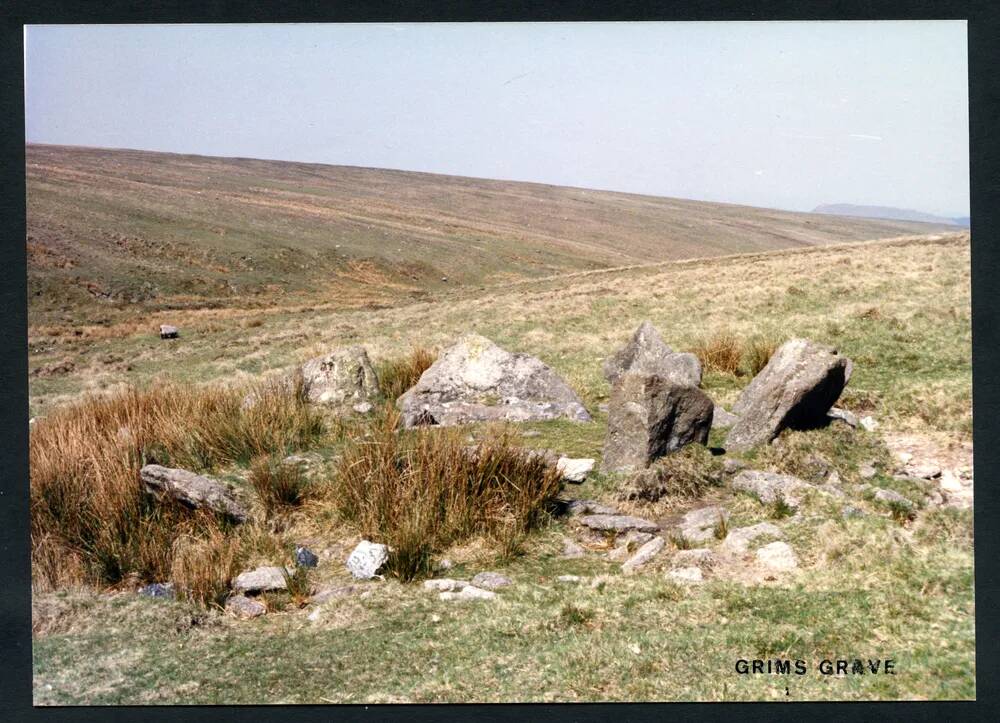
(331, 593)
(698, 526)
(795, 390)
(469, 592)
(698, 557)
(836, 414)
(831, 490)
(647, 353)
(851, 512)
(686, 575)
(650, 417)
(738, 541)
(263, 579)
(627, 544)
(363, 407)
(444, 564)
(778, 556)
(572, 550)
(531, 433)
(868, 423)
(574, 470)
(583, 507)
(643, 555)
(889, 497)
(475, 380)
(571, 579)
(769, 487)
(721, 419)
(340, 379)
(244, 607)
(731, 465)
(168, 332)
(491, 580)
(305, 461)
(158, 589)
(304, 557)
(367, 559)
(444, 584)
(618, 523)
(192, 490)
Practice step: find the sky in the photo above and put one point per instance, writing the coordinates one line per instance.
(777, 114)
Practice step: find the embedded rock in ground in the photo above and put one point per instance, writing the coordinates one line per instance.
(731, 465)
(700, 557)
(245, 608)
(650, 417)
(891, 497)
(491, 580)
(618, 523)
(867, 471)
(850, 512)
(341, 379)
(778, 556)
(568, 578)
(646, 352)
(192, 490)
(444, 584)
(304, 461)
(722, 419)
(643, 555)
(574, 470)
(868, 423)
(699, 525)
(158, 589)
(327, 594)
(571, 549)
(168, 332)
(738, 540)
(304, 557)
(263, 579)
(468, 592)
(687, 575)
(366, 559)
(583, 507)
(770, 487)
(627, 544)
(795, 390)
(475, 380)
(836, 414)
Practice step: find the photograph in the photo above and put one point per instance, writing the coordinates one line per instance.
(499, 362)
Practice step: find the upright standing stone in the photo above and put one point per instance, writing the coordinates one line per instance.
(647, 352)
(651, 416)
(341, 379)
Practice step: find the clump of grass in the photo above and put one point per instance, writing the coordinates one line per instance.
(204, 566)
(685, 474)
(757, 352)
(91, 523)
(397, 375)
(721, 528)
(279, 486)
(420, 492)
(779, 509)
(571, 614)
(680, 541)
(297, 585)
(721, 352)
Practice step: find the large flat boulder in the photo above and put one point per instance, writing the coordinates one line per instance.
(192, 490)
(475, 380)
(342, 379)
(771, 487)
(795, 390)
(647, 352)
(650, 416)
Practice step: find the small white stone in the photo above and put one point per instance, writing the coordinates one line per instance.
(777, 556)
(574, 470)
(468, 593)
(366, 559)
(363, 407)
(868, 423)
(686, 575)
(568, 578)
(444, 584)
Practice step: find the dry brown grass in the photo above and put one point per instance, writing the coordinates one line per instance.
(90, 521)
(397, 375)
(683, 475)
(203, 566)
(279, 486)
(423, 491)
(727, 353)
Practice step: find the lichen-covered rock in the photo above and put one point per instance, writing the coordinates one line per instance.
(721, 419)
(574, 470)
(643, 555)
(795, 390)
(686, 575)
(469, 592)
(491, 580)
(698, 557)
(245, 608)
(646, 352)
(770, 487)
(367, 559)
(444, 584)
(265, 578)
(341, 380)
(475, 380)
(617, 523)
(158, 589)
(738, 540)
(192, 490)
(650, 417)
(699, 526)
(778, 556)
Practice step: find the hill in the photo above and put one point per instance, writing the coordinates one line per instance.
(888, 212)
(160, 231)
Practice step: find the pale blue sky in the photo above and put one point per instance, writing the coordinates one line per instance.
(780, 114)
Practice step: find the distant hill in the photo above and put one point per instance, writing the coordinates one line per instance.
(888, 212)
(167, 231)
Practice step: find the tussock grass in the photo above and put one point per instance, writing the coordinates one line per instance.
(685, 474)
(279, 486)
(397, 375)
(419, 492)
(90, 522)
(728, 353)
(204, 566)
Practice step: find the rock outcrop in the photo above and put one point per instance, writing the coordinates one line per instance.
(646, 352)
(795, 390)
(192, 490)
(341, 380)
(651, 416)
(475, 380)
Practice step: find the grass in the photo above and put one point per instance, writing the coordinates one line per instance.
(397, 375)
(278, 486)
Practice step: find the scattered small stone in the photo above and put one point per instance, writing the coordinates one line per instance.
(698, 526)
(617, 523)
(601, 581)
(444, 584)
(366, 559)
(778, 556)
(569, 578)
(491, 580)
(833, 478)
(531, 433)
(304, 557)
(700, 557)
(643, 555)
(244, 608)
(836, 414)
(738, 540)
(583, 507)
(850, 512)
(867, 471)
(574, 470)
(262, 579)
(927, 470)
(158, 589)
(868, 424)
(769, 487)
(571, 549)
(330, 593)
(686, 575)
(468, 592)
(168, 332)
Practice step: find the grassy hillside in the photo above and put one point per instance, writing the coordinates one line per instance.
(874, 586)
(116, 232)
